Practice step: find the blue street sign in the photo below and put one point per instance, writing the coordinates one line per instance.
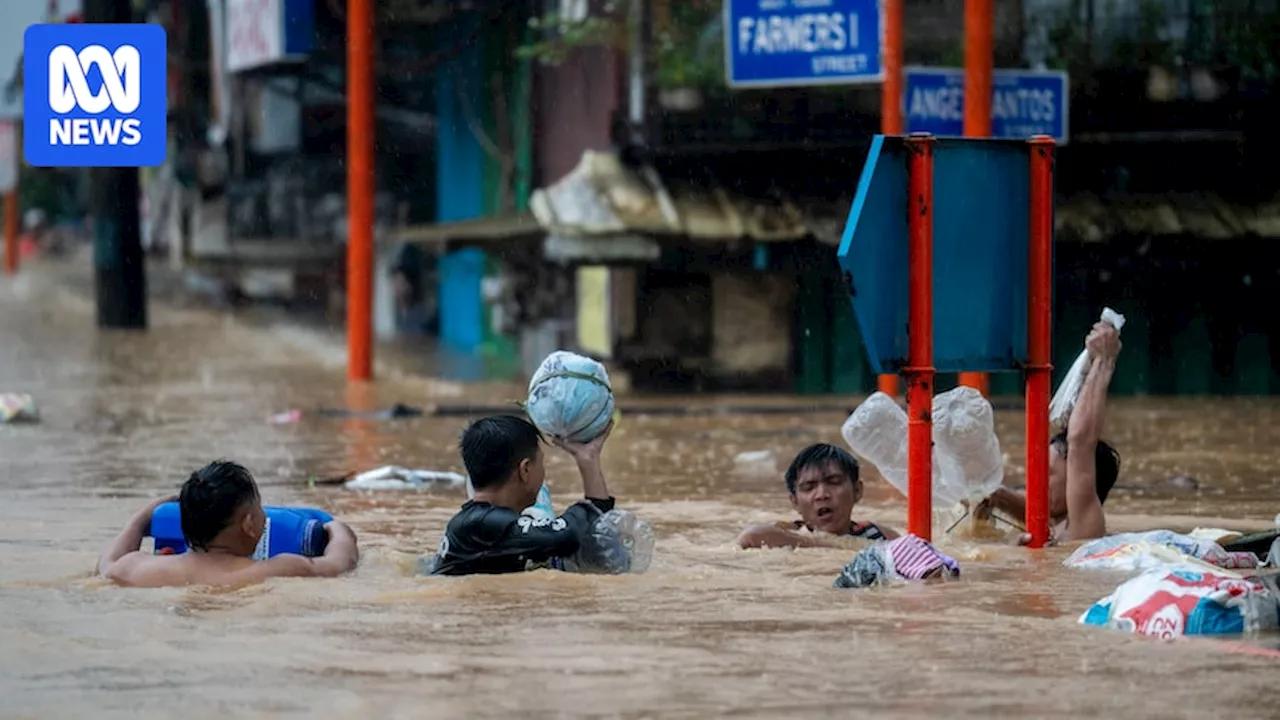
(781, 43)
(1023, 103)
(981, 211)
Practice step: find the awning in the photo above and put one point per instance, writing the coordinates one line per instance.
(1091, 218)
(479, 230)
(604, 197)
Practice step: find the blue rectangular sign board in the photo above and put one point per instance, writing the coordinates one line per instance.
(981, 223)
(1023, 103)
(784, 43)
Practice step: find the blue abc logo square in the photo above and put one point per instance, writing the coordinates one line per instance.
(94, 95)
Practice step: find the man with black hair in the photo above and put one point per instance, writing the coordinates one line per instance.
(824, 486)
(1082, 467)
(489, 535)
(222, 522)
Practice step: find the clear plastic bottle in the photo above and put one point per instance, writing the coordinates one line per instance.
(964, 432)
(877, 431)
(619, 542)
(967, 462)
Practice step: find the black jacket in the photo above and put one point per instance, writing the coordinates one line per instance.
(490, 540)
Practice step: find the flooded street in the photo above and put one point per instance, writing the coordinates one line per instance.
(710, 630)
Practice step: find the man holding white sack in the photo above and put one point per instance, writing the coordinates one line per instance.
(1082, 467)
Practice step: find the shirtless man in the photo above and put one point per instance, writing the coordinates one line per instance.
(1082, 468)
(223, 520)
(824, 486)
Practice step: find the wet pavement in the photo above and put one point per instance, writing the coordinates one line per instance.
(709, 631)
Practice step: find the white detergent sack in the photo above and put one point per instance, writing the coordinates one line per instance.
(1155, 549)
(1065, 398)
(1171, 602)
(570, 397)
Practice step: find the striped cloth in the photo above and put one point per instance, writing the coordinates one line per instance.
(915, 559)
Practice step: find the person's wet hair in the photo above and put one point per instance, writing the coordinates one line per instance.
(493, 447)
(210, 499)
(819, 455)
(1106, 460)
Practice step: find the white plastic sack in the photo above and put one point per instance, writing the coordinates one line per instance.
(1065, 398)
(570, 397)
(394, 477)
(1154, 550)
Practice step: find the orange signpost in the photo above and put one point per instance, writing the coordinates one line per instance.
(9, 187)
(979, 21)
(360, 183)
(891, 111)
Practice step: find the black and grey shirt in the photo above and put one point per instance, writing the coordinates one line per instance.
(484, 539)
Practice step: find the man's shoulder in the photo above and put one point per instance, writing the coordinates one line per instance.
(140, 569)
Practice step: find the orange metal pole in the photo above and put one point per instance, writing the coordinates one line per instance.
(891, 91)
(11, 228)
(891, 111)
(360, 181)
(919, 371)
(1039, 334)
(979, 20)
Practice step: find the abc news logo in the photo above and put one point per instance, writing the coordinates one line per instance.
(69, 91)
(94, 95)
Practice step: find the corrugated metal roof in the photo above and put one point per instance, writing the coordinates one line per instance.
(1094, 219)
(603, 196)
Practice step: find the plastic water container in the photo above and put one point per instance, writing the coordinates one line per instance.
(877, 431)
(964, 437)
(289, 530)
(967, 461)
(619, 542)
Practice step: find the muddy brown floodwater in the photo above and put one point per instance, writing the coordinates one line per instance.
(710, 630)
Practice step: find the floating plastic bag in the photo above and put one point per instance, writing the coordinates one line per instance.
(1188, 600)
(967, 461)
(394, 477)
(1065, 398)
(905, 558)
(18, 407)
(619, 542)
(1154, 550)
(570, 397)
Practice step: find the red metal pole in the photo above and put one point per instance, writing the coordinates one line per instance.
(11, 227)
(1039, 332)
(891, 112)
(360, 182)
(979, 57)
(919, 371)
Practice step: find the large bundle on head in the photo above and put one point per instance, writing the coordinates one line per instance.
(570, 397)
